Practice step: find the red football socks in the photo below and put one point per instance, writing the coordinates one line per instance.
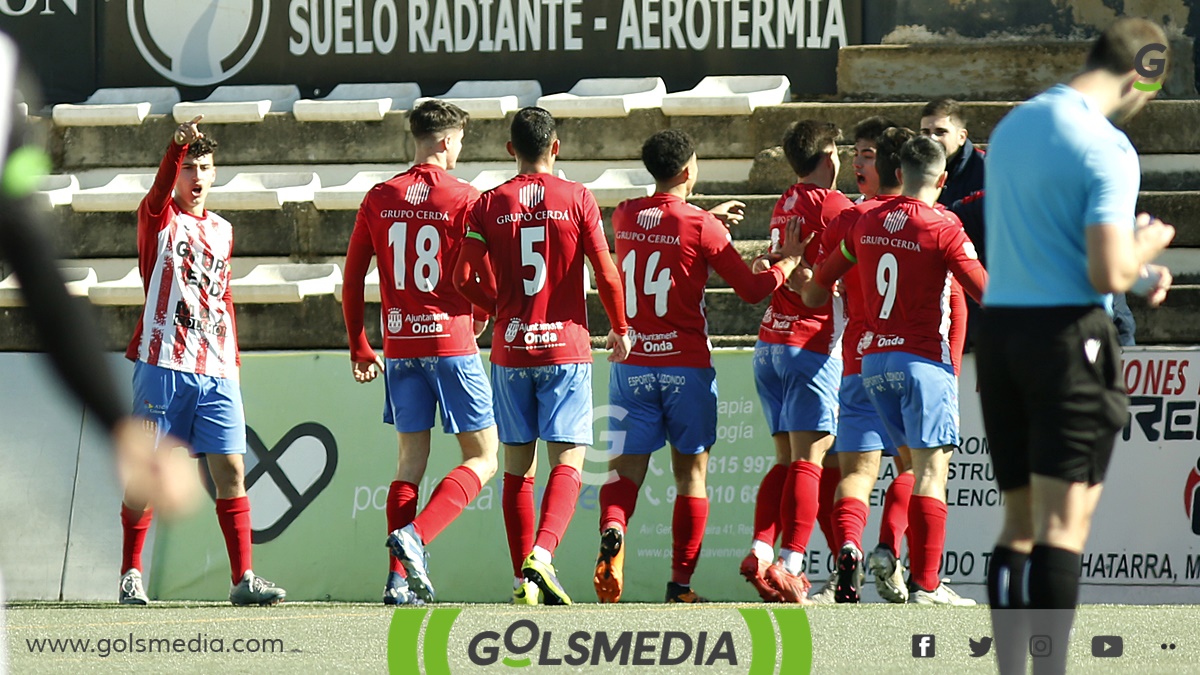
(895, 512)
(766, 505)
(401, 508)
(617, 502)
(134, 525)
(849, 520)
(519, 518)
(448, 500)
(830, 477)
(234, 517)
(687, 533)
(799, 505)
(558, 505)
(927, 518)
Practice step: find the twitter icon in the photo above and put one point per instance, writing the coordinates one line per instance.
(980, 648)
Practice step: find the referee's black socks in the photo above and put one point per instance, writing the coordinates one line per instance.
(1006, 578)
(1053, 578)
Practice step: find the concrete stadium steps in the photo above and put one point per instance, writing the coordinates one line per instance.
(1166, 126)
(1176, 321)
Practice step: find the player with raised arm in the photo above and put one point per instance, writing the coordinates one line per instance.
(523, 261)
(666, 391)
(796, 373)
(432, 361)
(908, 254)
(185, 354)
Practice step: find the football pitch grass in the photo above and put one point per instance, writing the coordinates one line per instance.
(353, 637)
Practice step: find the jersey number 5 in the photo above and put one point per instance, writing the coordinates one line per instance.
(426, 271)
(653, 284)
(531, 258)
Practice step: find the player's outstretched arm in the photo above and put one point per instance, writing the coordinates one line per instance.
(817, 292)
(730, 213)
(753, 286)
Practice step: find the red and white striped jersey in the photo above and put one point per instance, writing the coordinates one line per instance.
(187, 323)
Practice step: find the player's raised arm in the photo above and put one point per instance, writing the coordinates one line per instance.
(156, 201)
(837, 263)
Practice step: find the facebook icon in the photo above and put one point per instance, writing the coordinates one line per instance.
(924, 646)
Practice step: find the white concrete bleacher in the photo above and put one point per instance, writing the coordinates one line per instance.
(287, 282)
(123, 192)
(116, 107)
(254, 190)
(491, 99)
(606, 97)
(79, 280)
(231, 103)
(358, 102)
(56, 190)
(370, 286)
(120, 282)
(349, 195)
(616, 185)
(728, 95)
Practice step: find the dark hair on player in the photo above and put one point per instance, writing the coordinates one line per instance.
(945, 107)
(205, 145)
(922, 160)
(532, 133)
(1117, 48)
(667, 152)
(434, 116)
(887, 154)
(804, 144)
(869, 129)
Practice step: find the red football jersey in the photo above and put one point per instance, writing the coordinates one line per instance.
(907, 254)
(537, 229)
(665, 248)
(788, 320)
(187, 323)
(851, 288)
(414, 224)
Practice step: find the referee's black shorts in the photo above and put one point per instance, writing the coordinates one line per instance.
(1051, 390)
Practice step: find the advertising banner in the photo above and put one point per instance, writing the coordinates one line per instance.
(317, 44)
(322, 462)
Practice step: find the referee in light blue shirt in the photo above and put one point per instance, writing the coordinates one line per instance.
(1061, 183)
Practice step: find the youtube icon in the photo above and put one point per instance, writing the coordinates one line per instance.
(1108, 646)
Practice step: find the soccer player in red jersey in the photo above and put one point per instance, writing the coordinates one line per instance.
(796, 372)
(908, 253)
(523, 262)
(861, 438)
(666, 391)
(866, 132)
(184, 349)
(414, 225)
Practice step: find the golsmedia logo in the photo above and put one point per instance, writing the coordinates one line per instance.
(1150, 68)
(524, 643)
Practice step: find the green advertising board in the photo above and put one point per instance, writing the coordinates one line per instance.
(319, 478)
